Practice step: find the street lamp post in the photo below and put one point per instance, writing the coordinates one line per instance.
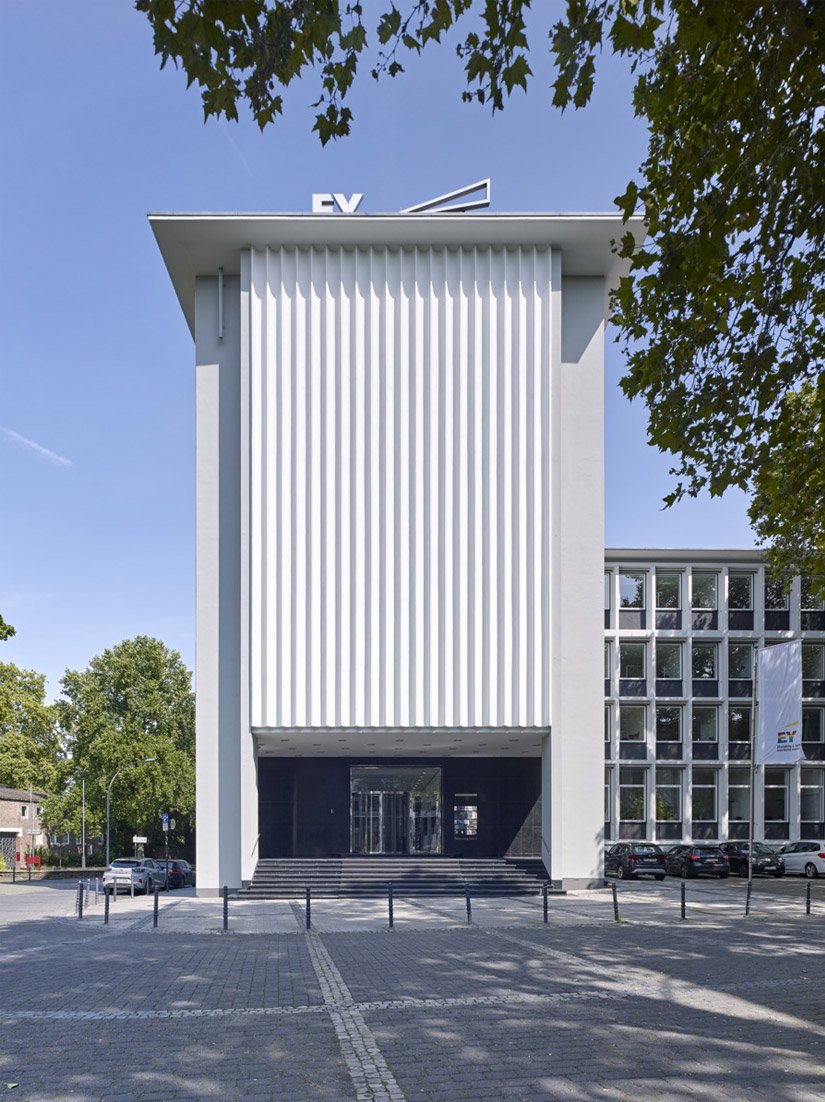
(134, 765)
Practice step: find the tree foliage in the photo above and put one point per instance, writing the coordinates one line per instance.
(30, 750)
(132, 702)
(721, 314)
(6, 630)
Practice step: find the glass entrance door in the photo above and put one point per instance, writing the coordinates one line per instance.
(395, 810)
(380, 822)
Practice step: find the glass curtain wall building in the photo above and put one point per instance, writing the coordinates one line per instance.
(681, 632)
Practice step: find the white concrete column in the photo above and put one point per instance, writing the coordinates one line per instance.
(572, 754)
(219, 553)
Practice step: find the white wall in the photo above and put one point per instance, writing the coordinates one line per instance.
(573, 753)
(225, 775)
(400, 511)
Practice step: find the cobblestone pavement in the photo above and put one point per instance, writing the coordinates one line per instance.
(717, 1007)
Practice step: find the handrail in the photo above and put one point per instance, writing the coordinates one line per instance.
(255, 845)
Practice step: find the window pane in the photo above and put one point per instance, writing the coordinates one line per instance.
(704, 725)
(606, 661)
(812, 725)
(704, 798)
(811, 795)
(632, 660)
(668, 588)
(632, 804)
(668, 794)
(740, 591)
(776, 593)
(608, 723)
(739, 725)
(631, 775)
(704, 661)
(631, 590)
(740, 661)
(739, 807)
(812, 661)
(669, 660)
(775, 805)
(810, 602)
(704, 591)
(632, 724)
(607, 578)
(776, 795)
(669, 724)
(607, 800)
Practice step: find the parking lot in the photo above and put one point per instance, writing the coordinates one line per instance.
(504, 1008)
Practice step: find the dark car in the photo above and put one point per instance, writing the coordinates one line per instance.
(690, 861)
(627, 860)
(766, 861)
(188, 872)
(179, 873)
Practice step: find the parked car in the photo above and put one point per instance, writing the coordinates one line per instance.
(189, 871)
(766, 861)
(145, 873)
(690, 861)
(804, 859)
(627, 860)
(179, 872)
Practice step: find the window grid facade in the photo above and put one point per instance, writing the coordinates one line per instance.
(705, 617)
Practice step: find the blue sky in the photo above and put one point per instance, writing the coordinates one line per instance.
(96, 363)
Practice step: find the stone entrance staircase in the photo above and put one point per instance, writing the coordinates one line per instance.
(364, 877)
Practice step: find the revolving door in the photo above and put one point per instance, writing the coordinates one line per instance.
(395, 810)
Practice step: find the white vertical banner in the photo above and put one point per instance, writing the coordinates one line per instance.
(779, 733)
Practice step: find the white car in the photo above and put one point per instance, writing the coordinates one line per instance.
(804, 859)
(143, 872)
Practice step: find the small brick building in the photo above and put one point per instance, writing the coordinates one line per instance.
(21, 828)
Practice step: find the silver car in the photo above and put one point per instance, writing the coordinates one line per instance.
(141, 873)
(804, 859)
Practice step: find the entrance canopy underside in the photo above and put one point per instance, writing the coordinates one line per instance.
(371, 742)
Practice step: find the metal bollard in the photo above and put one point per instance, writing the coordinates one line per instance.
(615, 903)
(113, 892)
(469, 908)
(106, 908)
(748, 898)
(684, 910)
(14, 873)
(30, 872)
(389, 903)
(309, 908)
(155, 909)
(88, 889)
(225, 908)
(808, 898)
(544, 893)
(132, 881)
(80, 899)
(97, 890)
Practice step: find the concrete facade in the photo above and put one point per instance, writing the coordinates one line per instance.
(677, 748)
(400, 502)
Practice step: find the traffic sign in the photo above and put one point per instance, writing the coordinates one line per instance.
(139, 839)
(165, 820)
(172, 824)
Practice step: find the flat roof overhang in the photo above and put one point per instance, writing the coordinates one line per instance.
(198, 244)
(400, 742)
(706, 555)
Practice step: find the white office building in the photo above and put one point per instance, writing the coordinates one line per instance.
(399, 535)
(681, 633)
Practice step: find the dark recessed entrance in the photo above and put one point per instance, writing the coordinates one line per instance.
(395, 809)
